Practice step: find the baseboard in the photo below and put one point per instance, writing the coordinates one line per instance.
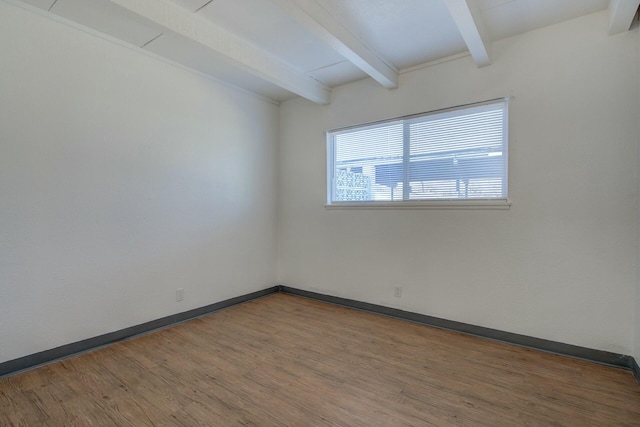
(598, 356)
(47, 356)
(636, 369)
(584, 353)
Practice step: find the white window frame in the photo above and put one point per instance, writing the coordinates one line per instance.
(459, 203)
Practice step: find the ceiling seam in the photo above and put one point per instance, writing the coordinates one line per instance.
(203, 6)
(153, 39)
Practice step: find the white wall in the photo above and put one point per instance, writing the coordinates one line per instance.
(560, 264)
(122, 178)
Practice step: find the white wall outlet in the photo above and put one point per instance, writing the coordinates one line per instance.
(397, 291)
(179, 294)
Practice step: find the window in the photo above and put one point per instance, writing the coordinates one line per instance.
(453, 157)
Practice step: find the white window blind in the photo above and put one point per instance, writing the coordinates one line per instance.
(447, 155)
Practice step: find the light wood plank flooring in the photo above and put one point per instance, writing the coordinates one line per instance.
(288, 361)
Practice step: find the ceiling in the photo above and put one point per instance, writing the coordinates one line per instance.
(281, 49)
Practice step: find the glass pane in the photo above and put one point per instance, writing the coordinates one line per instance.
(458, 157)
(368, 164)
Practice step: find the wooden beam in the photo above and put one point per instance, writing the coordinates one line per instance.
(229, 47)
(621, 13)
(328, 28)
(466, 15)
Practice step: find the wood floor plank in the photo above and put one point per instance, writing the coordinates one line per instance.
(286, 360)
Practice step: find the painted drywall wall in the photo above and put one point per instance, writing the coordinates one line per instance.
(560, 264)
(122, 178)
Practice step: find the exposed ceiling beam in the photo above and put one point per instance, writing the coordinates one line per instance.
(621, 13)
(327, 27)
(229, 47)
(467, 17)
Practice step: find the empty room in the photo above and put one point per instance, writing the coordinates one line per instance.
(319, 212)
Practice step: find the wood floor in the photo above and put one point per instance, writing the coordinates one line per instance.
(288, 361)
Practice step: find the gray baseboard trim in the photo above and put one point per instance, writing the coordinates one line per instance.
(636, 369)
(584, 353)
(598, 356)
(64, 351)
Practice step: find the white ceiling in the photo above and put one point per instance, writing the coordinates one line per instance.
(286, 48)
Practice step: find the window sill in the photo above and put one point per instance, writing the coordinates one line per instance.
(497, 204)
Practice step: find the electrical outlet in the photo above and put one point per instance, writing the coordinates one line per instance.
(397, 292)
(179, 294)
